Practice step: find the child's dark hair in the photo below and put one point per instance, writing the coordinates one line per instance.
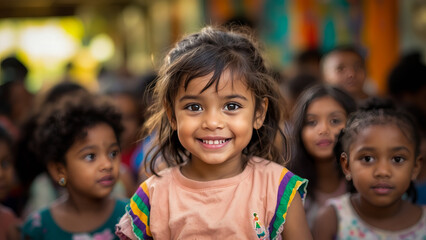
(302, 163)
(6, 137)
(215, 50)
(344, 49)
(67, 121)
(378, 111)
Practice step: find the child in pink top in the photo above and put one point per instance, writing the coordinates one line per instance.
(217, 118)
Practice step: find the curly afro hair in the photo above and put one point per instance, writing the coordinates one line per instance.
(63, 123)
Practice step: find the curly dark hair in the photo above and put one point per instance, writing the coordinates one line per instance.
(67, 121)
(378, 112)
(215, 50)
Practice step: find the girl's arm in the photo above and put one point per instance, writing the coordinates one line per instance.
(325, 225)
(296, 226)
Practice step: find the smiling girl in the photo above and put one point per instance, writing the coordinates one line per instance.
(217, 117)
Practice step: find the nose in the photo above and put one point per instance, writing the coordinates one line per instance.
(350, 72)
(212, 119)
(382, 169)
(323, 128)
(106, 163)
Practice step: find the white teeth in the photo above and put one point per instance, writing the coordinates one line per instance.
(211, 142)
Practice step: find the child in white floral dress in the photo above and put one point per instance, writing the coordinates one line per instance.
(380, 156)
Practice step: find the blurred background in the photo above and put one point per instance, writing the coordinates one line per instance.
(80, 39)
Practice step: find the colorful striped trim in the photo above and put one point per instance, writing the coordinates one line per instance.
(139, 209)
(289, 185)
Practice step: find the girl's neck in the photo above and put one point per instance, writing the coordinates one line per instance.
(368, 211)
(200, 171)
(85, 205)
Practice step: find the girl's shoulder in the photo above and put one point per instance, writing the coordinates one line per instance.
(265, 166)
(268, 169)
(163, 177)
(37, 222)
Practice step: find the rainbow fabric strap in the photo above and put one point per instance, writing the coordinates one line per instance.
(290, 184)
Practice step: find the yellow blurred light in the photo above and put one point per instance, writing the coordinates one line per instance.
(102, 47)
(7, 40)
(48, 42)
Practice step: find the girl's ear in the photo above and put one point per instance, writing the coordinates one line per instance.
(56, 171)
(417, 167)
(344, 162)
(261, 114)
(172, 119)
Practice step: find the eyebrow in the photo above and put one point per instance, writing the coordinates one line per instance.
(93, 147)
(395, 149)
(399, 148)
(86, 148)
(196, 97)
(332, 113)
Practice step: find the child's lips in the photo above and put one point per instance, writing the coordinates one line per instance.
(382, 189)
(324, 142)
(107, 180)
(214, 142)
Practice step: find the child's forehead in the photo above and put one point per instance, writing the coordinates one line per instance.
(382, 134)
(344, 56)
(228, 80)
(96, 131)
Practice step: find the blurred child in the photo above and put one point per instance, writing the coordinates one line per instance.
(15, 100)
(407, 86)
(345, 67)
(380, 155)
(78, 138)
(218, 113)
(319, 115)
(8, 219)
(39, 189)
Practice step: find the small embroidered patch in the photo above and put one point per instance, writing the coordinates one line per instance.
(259, 228)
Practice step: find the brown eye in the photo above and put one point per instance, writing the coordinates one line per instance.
(113, 154)
(194, 107)
(398, 159)
(367, 159)
(232, 106)
(90, 157)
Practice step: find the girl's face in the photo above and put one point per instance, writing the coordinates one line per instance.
(6, 170)
(92, 163)
(324, 119)
(382, 163)
(215, 126)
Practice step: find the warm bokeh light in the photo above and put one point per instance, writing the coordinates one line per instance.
(102, 47)
(7, 38)
(48, 43)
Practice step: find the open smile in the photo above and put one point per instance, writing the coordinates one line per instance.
(214, 143)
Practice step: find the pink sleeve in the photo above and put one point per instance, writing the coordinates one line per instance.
(124, 229)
